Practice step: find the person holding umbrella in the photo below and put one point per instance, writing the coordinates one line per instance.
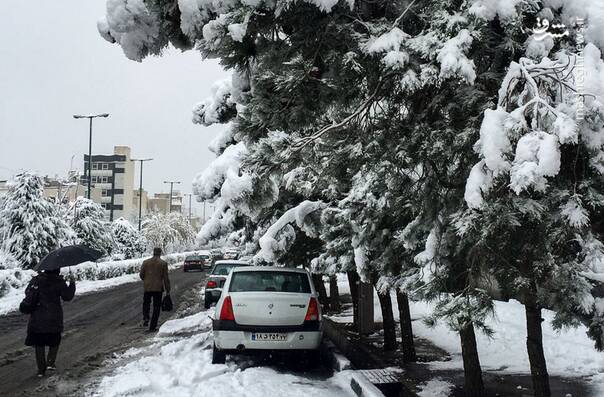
(42, 302)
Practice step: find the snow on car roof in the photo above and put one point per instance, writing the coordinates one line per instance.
(231, 261)
(270, 268)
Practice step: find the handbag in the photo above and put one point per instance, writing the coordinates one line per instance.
(32, 298)
(166, 304)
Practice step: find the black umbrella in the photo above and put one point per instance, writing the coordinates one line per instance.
(68, 256)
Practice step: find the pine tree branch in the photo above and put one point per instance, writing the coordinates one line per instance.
(301, 143)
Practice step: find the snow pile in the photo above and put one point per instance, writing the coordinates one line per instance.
(569, 352)
(112, 269)
(436, 388)
(14, 280)
(90, 276)
(177, 365)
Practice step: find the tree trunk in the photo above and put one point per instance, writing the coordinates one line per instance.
(534, 345)
(320, 287)
(334, 294)
(473, 385)
(353, 283)
(407, 343)
(388, 319)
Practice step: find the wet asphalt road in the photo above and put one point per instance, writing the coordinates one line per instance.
(97, 325)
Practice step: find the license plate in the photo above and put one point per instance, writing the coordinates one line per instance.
(268, 337)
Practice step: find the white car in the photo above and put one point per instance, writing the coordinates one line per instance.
(216, 279)
(267, 308)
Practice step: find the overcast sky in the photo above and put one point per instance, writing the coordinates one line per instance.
(54, 64)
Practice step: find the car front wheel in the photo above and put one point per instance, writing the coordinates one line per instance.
(218, 357)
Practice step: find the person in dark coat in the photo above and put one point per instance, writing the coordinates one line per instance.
(42, 302)
(154, 273)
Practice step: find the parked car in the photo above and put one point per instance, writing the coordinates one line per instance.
(216, 278)
(216, 254)
(201, 261)
(267, 308)
(231, 253)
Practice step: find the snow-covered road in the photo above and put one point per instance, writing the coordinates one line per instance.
(178, 363)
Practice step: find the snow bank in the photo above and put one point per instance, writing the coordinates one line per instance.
(90, 276)
(436, 388)
(569, 352)
(181, 366)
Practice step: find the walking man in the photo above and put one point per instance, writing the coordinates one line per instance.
(154, 273)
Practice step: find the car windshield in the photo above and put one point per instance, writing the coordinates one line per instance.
(249, 281)
(224, 269)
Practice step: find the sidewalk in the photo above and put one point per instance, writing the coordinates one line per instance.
(435, 374)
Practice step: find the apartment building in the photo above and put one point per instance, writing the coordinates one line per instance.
(160, 202)
(113, 175)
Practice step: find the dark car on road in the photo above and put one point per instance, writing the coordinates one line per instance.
(201, 262)
(216, 278)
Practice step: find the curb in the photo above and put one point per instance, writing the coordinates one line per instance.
(359, 384)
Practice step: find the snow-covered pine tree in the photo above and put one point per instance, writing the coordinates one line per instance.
(87, 219)
(32, 225)
(316, 82)
(129, 242)
(535, 197)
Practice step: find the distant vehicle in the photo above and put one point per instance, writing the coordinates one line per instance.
(231, 253)
(216, 278)
(267, 308)
(201, 261)
(216, 254)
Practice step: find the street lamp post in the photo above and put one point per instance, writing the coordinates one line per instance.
(90, 117)
(140, 193)
(172, 183)
(190, 195)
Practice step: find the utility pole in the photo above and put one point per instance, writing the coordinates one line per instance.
(140, 193)
(190, 195)
(90, 117)
(172, 183)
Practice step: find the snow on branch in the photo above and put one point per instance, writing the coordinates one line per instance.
(279, 237)
(538, 112)
(133, 26)
(225, 167)
(218, 108)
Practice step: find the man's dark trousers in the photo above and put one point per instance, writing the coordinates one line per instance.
(156, 296)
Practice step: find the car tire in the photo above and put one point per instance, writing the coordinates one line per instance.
(184, 270)
(218, 357)
(207, 302)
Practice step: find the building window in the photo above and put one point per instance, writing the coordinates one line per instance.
(105, 166)
(95, 166)
(104, 179)
(105, 193)
(93, 179)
